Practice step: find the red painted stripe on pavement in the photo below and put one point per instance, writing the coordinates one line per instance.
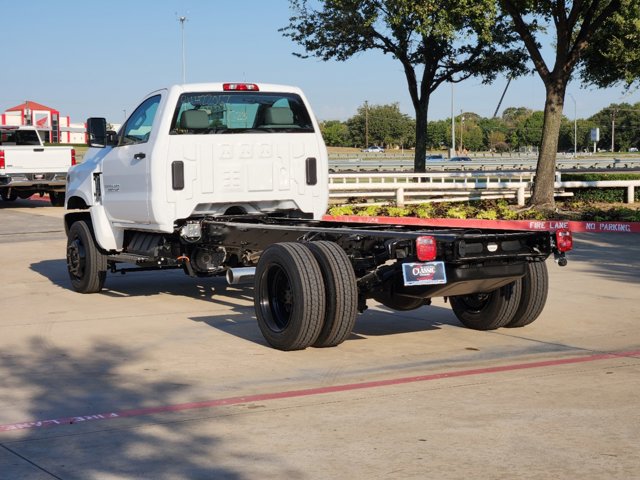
(308, 392)
(550, 225)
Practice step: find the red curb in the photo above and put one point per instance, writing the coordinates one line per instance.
(551, 225)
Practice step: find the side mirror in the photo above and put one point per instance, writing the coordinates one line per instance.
(97, 132)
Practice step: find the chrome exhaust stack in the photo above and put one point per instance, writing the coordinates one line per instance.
(239, 276)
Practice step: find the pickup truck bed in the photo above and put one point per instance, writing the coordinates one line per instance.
(28, 167)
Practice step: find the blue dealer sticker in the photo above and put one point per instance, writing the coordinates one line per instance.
(428, 273)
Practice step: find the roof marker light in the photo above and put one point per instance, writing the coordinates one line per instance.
(240, 87)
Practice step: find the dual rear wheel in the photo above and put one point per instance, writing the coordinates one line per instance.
(514, 305)
(305, 295)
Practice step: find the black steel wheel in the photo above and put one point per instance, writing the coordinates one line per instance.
(341, 293)
(86, 264)
(8, 195)
(535, 287)
(490, 310)
(289, 296)
(56, 199)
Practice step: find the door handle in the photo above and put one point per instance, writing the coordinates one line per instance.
(139, 156)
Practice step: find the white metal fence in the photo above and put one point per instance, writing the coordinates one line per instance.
(412, 188)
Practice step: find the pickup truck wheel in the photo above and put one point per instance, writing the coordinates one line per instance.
(535, 286)
(341, 293)
(56, 199)
(289, 296)
(87, 266)
(488, 311)
(8, 197)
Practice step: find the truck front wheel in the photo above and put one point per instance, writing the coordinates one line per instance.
(488, 311)
(289, 296)
(86, 264)
(342, 293)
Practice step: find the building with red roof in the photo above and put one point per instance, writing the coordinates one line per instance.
(53, 127)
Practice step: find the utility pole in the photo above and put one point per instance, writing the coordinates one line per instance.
(575, 127)
(613, 129)
(461, 129)
(366, 124)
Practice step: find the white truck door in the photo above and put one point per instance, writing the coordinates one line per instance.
(125, 176)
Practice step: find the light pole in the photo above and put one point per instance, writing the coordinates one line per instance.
(452, 152)
(461, 129)
(575, 127)
(184, 68)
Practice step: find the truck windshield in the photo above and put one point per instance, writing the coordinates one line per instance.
(240, 112)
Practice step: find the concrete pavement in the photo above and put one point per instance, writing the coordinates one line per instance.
(196, 393)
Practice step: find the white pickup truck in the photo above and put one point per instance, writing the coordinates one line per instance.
(28, 167)
(231, 179)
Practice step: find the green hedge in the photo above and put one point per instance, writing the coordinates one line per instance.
(494, 210)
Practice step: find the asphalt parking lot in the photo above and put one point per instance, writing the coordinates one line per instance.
(166, 377)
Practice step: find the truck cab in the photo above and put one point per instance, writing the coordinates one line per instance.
(203, 150)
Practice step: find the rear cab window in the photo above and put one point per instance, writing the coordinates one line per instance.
(20, 137)
(240, 112)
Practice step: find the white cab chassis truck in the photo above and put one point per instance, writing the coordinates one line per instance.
(231, 179)
(28, 167)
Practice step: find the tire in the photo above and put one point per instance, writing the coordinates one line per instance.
(56, 199)
(289, 296)
(535, 287)
(488, 311)
(341, 293)
(87, 266)
(8, 197)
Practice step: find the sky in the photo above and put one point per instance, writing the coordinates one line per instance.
(89, 58)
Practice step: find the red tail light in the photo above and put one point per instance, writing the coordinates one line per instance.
(564, 240)
(426, 248)
(73, 156)
(2, 159)
(241, 87)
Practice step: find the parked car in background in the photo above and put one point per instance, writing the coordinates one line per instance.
(373, 149)
(435, 158)
(460, 159)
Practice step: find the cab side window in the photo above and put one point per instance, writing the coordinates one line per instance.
(139, 124)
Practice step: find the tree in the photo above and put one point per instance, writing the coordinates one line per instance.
(438, 134)
(620, 121)
(576, 25)
(335, 133)
(383, 124)
(496, 138)
(530, 130)
(435, 41)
